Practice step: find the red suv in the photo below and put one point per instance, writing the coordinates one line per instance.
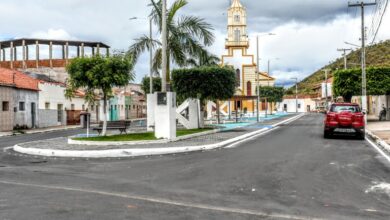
(344, 118)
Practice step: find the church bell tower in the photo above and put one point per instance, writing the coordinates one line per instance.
(237, 33)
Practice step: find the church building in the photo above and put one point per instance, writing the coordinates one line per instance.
(237, 56)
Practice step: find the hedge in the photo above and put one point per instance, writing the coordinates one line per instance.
(205, 83)
(348, 83)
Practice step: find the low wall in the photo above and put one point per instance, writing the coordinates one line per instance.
(47, 118)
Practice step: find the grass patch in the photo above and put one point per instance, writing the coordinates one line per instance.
(149, 136)
(180, 133)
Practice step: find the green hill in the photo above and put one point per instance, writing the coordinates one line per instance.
(378, 55)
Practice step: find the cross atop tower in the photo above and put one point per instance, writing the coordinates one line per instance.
(237, 35)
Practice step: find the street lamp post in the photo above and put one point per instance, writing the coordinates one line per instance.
(269, 65)
(257, 74)
(150, 51)
(296, 93)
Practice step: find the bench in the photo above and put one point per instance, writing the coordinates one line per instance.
(122, 126)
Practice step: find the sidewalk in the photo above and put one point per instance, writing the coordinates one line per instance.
(39, 130)
(59, 147)
(380, 132)
(380, 129)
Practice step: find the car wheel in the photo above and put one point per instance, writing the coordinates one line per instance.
(327, 134)
(361, 135)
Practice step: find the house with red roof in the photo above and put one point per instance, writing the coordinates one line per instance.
(18, 100)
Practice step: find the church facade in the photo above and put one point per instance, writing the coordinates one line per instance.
(244, 64)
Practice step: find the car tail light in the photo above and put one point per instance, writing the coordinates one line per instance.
(331, 117)
(358, 118)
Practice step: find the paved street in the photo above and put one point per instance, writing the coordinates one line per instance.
(289, 173)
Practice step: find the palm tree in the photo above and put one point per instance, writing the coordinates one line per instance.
(204, 59)
(187, 37)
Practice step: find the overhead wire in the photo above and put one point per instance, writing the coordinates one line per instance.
(380, 21)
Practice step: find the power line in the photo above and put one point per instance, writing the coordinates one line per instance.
(380, 22)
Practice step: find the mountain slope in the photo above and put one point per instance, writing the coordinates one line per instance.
(376, 56)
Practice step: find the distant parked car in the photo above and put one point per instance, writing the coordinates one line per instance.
(344, 118)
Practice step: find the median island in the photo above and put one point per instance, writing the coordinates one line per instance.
(146, 136)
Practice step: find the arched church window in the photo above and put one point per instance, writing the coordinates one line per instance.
(237, 35)
(249, 88)
(236, 18)
(238, 73)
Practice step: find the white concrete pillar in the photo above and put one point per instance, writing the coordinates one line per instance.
(150, 100)
(82, 49)
(165, 115)
(51, 54)
(23, 54)
(66, 52)
(12, 55)
(37, 54)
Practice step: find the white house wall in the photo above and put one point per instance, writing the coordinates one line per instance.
(304, 104)
(24, 117)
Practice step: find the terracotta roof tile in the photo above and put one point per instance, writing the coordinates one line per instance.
(18, 79)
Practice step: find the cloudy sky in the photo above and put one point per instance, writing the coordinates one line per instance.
(308, 32)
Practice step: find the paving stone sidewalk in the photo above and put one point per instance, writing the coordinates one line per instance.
(61, 143)
(380, 129)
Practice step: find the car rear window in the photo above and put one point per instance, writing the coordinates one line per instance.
(345, 108)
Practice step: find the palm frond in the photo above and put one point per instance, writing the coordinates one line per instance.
(197, 27)
(155, 14)
(177, 5)
(142, 44)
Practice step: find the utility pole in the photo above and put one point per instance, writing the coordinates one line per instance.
(269, 61)
(164, 46)
(363, 38)
(326, 71)
(344, 50)
(257, 80)
(296, 93)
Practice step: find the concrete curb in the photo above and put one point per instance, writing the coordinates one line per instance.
(381, 143)
(142, 151)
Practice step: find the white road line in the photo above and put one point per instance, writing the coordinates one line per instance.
(251, 138)
(378, 149)
(167, 201)
(288, 121)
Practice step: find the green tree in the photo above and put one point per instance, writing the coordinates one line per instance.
(98, 73)
(145, 86)
(205, 83)
(204, 59)
(187, 37)
(272, 94)
(348, 83)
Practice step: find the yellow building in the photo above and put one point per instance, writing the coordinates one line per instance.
(237, 45)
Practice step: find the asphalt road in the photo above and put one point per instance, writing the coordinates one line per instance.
(289, 173)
